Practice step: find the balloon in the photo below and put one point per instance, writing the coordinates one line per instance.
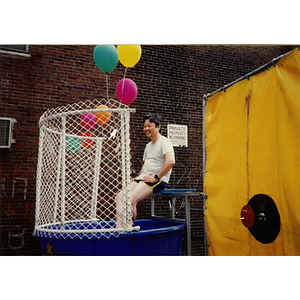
(86, 143)
(88, 120)
(73, 144)
(106, 57)
(126, 90)
(102, 117)
(129, 55)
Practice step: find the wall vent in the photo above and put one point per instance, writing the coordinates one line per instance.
(6, 132)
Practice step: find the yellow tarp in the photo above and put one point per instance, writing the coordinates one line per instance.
(253, 147)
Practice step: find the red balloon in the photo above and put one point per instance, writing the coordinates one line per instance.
(86, 143)
(126, 90)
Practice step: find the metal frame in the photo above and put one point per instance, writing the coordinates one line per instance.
(60, 230)
(187, 221)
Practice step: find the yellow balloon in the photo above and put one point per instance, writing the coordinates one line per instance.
(129, 55)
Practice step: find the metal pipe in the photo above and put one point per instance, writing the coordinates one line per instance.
(96, 177)
(63, 173)
(254, 72)
(204, 168)
(188, 224)
(78, 112)
(38, 179)
(123, 153)
(128, 171)
(58, 174)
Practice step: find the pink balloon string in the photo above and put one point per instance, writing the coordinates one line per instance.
(123, 83)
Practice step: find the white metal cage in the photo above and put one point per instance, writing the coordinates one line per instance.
(83, 162)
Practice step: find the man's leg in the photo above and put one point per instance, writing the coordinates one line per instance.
(138, 192)
(119, 205)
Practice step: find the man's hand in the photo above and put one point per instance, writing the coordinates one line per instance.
(149, 178)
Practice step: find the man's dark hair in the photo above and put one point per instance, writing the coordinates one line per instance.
(153, 118)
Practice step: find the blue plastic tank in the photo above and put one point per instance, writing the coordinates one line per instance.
(156, 237)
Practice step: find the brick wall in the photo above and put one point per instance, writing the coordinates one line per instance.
(171, 81)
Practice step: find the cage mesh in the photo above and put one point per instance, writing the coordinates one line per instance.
(84, 161)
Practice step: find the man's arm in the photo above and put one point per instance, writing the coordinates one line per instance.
(168, 164)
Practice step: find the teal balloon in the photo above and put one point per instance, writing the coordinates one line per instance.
(106, 57)
(73, 144)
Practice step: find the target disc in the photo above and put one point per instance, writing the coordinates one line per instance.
(266, 226)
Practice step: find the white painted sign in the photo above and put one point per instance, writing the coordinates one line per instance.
(178, 135)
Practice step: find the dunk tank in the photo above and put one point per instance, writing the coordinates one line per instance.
(83, 162)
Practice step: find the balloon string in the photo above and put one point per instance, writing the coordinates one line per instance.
(123, 83)
(125, 73)
(107, 86)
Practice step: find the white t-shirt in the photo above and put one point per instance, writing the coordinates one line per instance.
(154, 158)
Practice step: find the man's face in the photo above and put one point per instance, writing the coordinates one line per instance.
(150, 128)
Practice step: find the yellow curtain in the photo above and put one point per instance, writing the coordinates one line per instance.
(253, 147)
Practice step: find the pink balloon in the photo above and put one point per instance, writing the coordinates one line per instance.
(126, 90)
(88, 120)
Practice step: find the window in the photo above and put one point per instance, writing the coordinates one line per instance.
(15, 49)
